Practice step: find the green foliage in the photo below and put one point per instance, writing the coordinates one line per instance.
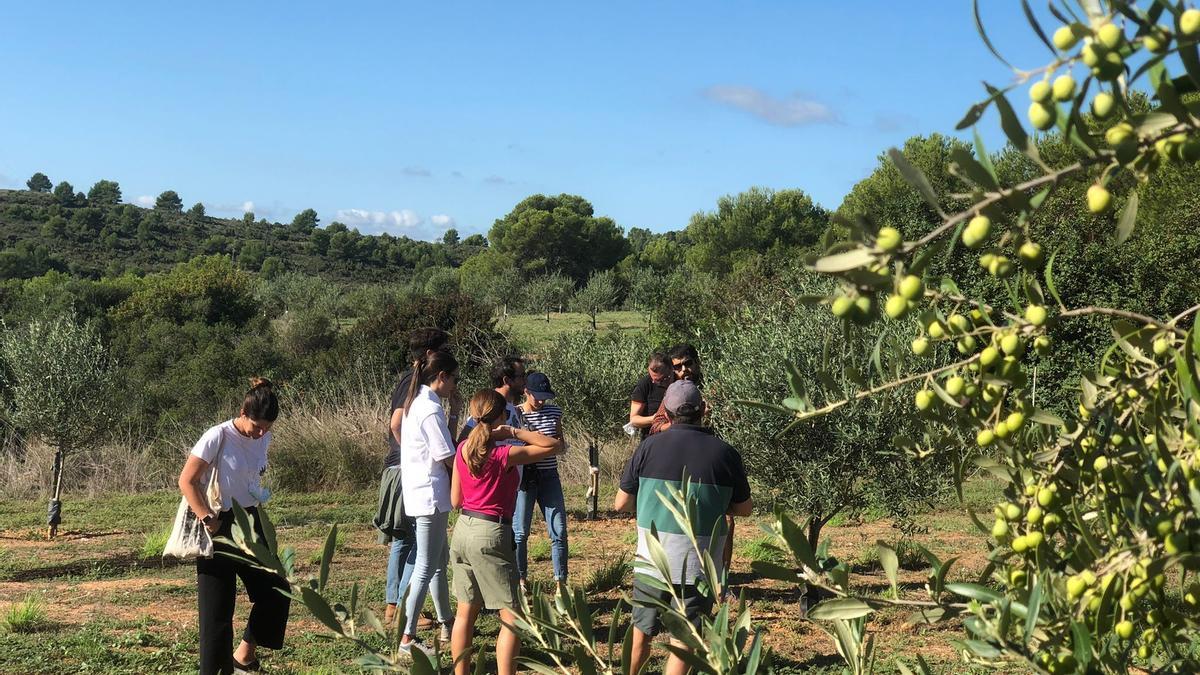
(38, 182)
(208, 289)
(104, 194)
(828, 464)
(153, 545)
(1101, 507)
(601, 293)
(197, 210)
(609, 576)
(752, 223)
(59, 379)
(168, 202)
(64, 194)
(27, 616)
(492, 277)
(593, 374)
(441, 281)
(558, 234)
(547, 293)
(26, 260)
(305, 221)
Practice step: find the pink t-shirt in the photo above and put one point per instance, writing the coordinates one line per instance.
(494, 491)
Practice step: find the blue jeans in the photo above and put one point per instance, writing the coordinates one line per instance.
(402, 559)
(546, 490)
(429, 571)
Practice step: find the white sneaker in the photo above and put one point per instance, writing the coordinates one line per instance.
(445, 630)
(407, 649)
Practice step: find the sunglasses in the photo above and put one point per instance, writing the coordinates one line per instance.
(686, 364)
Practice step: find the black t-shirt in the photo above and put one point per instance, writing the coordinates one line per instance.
(398, 397)
(646, 391)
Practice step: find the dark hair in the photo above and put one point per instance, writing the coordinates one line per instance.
(657, 358)
(261, 403)
(426, 369)
(506, 368)
(683, 351)
(422, 340)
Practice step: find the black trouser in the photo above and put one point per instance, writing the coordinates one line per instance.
(215, 577)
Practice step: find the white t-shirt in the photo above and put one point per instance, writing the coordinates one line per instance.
(242, 463)
(424, 443)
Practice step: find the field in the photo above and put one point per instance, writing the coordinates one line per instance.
(532, 330)
(111, 608)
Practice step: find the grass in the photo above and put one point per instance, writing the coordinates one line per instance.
(532, 332)
(27, 616)
(339, 541)
(153, 544)
(115, 612)
(761, 549)
(609, 576)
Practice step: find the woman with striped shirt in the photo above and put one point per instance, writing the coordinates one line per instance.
(541, 483)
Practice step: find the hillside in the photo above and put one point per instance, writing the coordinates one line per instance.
(40, 231)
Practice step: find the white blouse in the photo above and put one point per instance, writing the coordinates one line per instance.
(424, 444)
(241, 463)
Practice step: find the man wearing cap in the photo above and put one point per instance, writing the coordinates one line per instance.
(541, 483)
(718, 487)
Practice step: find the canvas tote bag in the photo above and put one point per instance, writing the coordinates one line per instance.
(189, 538)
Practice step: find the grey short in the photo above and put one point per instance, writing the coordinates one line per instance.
(646, 616)
(484, 563)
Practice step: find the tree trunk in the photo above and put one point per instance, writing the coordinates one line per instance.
(548, 315)
(593, 320)
(54, 509)
(594, 479)
(809, 597)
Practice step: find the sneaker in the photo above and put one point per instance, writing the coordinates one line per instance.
(444, 632)
(406, 650)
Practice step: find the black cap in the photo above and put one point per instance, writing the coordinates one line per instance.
(537, 385)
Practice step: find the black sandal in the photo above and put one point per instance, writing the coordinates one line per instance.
(246, 667)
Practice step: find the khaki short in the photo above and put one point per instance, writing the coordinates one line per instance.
(485, 563)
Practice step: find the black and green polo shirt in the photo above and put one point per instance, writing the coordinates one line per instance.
(718, 479)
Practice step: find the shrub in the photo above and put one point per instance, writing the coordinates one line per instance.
(27, 616)
(610, 575)
(153, 545)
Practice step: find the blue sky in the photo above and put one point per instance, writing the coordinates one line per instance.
(414, 117)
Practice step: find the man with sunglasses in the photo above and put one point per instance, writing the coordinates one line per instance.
(685, 365)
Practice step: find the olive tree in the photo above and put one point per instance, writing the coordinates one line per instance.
(59, 377)
(1095, 544)
(824, 465)
(599, 294)
(545, 292)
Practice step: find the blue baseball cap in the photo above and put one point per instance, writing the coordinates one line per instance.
(538, 386)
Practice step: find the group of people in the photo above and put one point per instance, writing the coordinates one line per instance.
(501, 467)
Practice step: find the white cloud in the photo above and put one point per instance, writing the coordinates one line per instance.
(399, 222)
(497, 180)
(146, 201)
(793, 111)
(247, 207)
(417, 171)
(405, 219)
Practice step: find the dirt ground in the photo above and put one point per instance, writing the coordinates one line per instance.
(95, 580)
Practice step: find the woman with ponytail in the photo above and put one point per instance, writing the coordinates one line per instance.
(426, 459)
(239, 450)
(484, 486)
